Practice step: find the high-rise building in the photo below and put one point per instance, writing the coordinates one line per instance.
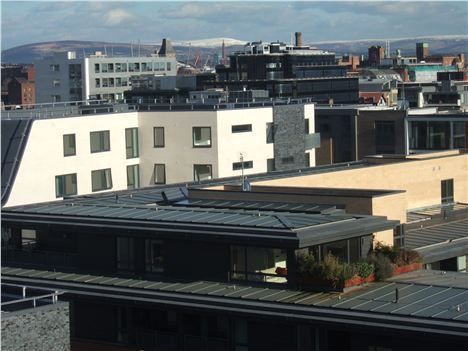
(376, 54)
(422, 51)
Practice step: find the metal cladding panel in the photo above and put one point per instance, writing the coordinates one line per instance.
(438, 303)
(436, 234)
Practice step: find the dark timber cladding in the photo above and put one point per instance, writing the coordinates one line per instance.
(289, 146)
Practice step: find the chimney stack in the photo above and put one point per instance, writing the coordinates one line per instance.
(298, 39)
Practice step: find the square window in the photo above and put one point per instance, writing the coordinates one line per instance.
(160, 174)
(100, 141)
(158, 133)
(201, 136)
(69, 145)
(65, 185)
(101, 179)
(202, 172)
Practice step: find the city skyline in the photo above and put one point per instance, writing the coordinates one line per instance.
(23, 22)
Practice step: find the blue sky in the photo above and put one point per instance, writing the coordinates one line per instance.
(25, 22)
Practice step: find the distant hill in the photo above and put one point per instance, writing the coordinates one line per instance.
(30, 52)
(448, 44)
(205, 48)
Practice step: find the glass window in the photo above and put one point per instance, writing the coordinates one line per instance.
(160, 173)
(168, 66)
(201, 136)
(65, 185)
(241, 128)
(459, 137)
(133, 177)
(270, 164)
(101, 179)
(338, 249)
(158, 133)
(385, 137)
(100, 141)
(110, 67)
(69, 146)
(105, 82)
(125, 255)
(55, 68)
(447, 191)
(56, 82)
(96, 68)
(104, 67)
(270, 133)
(238, 165)
(202, 172)
(154, 257)
(131, 142)
(97, 83)
(258, 264)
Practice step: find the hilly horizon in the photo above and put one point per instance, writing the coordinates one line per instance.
(205, 48)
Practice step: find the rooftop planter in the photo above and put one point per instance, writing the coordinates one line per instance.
(332, 275)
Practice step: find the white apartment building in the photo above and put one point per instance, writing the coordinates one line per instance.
(51, 158)
(64, 77)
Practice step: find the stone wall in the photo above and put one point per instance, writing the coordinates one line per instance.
(289, 144)
(45, 328)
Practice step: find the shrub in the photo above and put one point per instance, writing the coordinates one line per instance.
(330, 268)
(404, 257)
(382, 266)
(348, 271)
(364, 269)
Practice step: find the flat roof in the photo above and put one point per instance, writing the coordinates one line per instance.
(286, 229)
(435, 308)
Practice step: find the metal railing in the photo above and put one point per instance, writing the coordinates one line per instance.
(17, 297)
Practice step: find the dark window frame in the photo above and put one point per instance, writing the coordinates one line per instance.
(237, 166)
(241, 128)
(62, 192)
(160, 145)
(65, 154)
(204, 164)
(447, 191)
(201, 145)
(104, 176)
(102, 141)
(131, 143)
(164, 173)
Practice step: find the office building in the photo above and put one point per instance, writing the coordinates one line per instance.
(66, 77)
(375, 55)
(422, 51)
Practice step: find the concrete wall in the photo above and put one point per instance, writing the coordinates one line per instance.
(421, 179)
(45, 328)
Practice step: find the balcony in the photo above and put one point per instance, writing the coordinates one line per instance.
(312, 141)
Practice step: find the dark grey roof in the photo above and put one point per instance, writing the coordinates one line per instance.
(418, 238)
(439, 242)
(444, 306)
(260, 206)
(280, 228)
(14, 138)
(433, 277)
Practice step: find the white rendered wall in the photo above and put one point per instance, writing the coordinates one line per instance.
(252, 145)
(309, 112)
(178, 154)
(43, 156)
